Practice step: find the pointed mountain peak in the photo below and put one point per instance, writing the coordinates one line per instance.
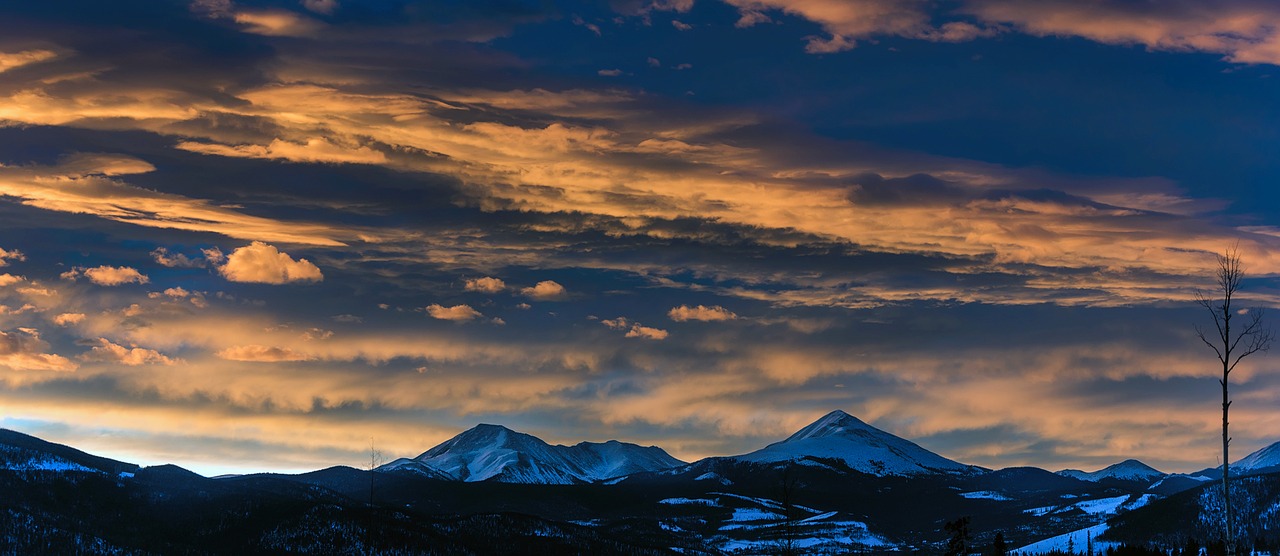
(832, 424)
(838, 435)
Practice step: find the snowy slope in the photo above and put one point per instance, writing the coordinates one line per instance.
(1127, 470)
(1265, 459)
(496, 453)
(862, 447)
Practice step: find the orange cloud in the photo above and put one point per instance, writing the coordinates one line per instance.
(108, 275)
(107, 352)
(455, 313)
(11, 60)
(485, 284)
(23, 350)
(262, 263)
(259, 353)
(546, 289)
(701, 312)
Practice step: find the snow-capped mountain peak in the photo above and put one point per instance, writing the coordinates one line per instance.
(1127, 470)
(832, 424)
(862, 447)
(494, 452)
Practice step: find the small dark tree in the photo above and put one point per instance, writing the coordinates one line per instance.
(787, 527)
(1231, 347)
(959, 543)
(998, 546)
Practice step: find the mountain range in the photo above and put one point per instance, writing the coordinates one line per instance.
(835, 485)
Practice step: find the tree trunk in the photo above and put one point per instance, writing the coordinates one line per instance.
(1226, 464)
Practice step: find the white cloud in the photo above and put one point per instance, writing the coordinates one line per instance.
(108, 275)
(701, 312)
(546, 289)
(23, 350)
(107, 352)
(485, 284)
(455, 313)
(67, 319)
(262, 263)
(262, 354)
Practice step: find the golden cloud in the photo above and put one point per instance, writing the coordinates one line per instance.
(263, 263)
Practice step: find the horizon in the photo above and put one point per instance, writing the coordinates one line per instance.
(209, 471)
(256, 234)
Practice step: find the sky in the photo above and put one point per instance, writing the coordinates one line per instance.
(263, 235)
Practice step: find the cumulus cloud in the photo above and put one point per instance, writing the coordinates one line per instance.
(700, 312)
(104, 351)
(635, 329)
(23, 350)
(262, 263)
(7, 255)
(546, 289)
(646, 332)
(454, 313)
(9, 280)
(262, 354)
(67, 319)
(107, 275)
(485, 284)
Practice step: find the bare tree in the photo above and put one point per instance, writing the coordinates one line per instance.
(375, 459)
(1230, 347)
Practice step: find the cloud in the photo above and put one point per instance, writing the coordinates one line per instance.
(277, 23)
(23, 350)
(86, 184)
(163, 257)
(454, 313)
(646, 332)
(104, 351)
(67, 319)
(108, 275)
(634, 329)
(847, 21)
(609, 72)
(9, 280)
(11, 60)
(261, 354)
(701, 312)
(262, 263)
(1242, 30)
(315, 149)
(546, 289)
(12, 254)
(681, 25)
(485, 284)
